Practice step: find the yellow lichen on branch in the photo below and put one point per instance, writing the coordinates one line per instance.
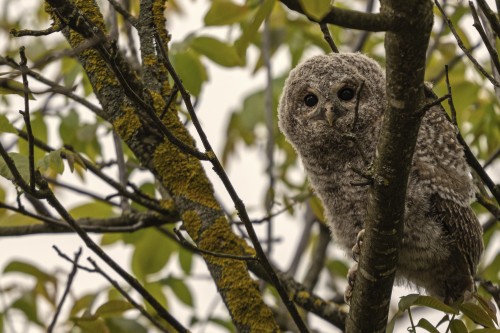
(243, 299)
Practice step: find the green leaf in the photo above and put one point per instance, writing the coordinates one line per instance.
(28, 305)
(427, 301)
(477, 314)
(390, 325)
(18, 219)
(317, 208)
(5, 125)
(111, 238)
(73, 159)
(52, 162)
(156, 289)
(486, 330)
(406, 301)
(180, 289)
(488, 306)
(3, 211)
(22, 164)
(40, 132)
(70, 69)
(190, 69)
(96, 209)
(185, 260)
(124, 325)
(227, 324)
(250, 31)
(217, 51)
(457, 326)
(338, 268)
(151, 254)
(426, 325)
(83, 303)
(316, 9)
(113, 308)
(224, 12)
(91, 324)
(10, 86)
(29, 269)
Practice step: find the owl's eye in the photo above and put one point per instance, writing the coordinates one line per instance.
(311, 100)
(346, 94)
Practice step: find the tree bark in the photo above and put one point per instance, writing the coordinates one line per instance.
(405, 45)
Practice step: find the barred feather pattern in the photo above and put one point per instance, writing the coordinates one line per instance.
(331, 111)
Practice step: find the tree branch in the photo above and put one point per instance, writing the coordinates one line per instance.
(349, 18)
(405, 54)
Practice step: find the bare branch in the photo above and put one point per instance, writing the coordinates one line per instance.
(349, 18)
(328, 37)
(71, 276)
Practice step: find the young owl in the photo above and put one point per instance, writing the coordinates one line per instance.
(331, 112)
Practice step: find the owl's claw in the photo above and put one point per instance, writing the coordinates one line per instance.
(356, 249)
(351, 274)
(351, 278)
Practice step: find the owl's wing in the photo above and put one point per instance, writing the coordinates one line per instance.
(462, 227)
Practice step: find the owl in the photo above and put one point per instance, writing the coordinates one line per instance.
(331, 111)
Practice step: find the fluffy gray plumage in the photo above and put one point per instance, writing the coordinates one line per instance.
(442, 240)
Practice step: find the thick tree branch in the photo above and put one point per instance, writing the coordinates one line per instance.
(349, 18)
(405, 53)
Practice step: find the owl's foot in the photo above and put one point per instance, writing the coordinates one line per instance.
(351, 278)
(351, 274)
(356, 249)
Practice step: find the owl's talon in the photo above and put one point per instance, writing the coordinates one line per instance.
(351, 278)
(356, 249)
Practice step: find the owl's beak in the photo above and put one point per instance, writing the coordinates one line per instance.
(329, 116)
(324, 113)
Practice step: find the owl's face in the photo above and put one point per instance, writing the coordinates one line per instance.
(329, 96)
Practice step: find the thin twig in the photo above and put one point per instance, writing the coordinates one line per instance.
(171, 98)
(71, 277)
(356, 109)
(122, 170)
(318, 257)
(309, 221)
(194, 248)
(126, 295)
(328, 37)
(435, 102)
(54, 86)
(364, 33)
(492, 158)
(469, 156)
(490, 15)
(464, 49)
(240, 206)
(491, 48)
(453, 62)
(489, 205)
(125, 13)
(270, 124)
(35, 33)
(26, 116)
(137, 196)
(97, 269)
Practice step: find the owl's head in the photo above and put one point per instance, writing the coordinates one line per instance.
(331, 95)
